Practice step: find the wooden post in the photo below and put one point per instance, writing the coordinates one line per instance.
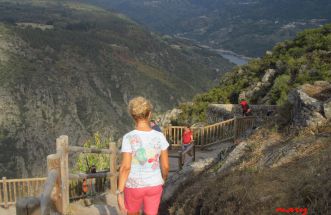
(193, 152)
(235, 128)
(54, 163)
(202, 136)
(62, 145)
(180, 160)
(113, 167)
(5, 191)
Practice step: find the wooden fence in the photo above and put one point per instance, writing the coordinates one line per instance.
(69, 186)
(13, 189)
(56, 190)
(211, 134)
(58, 174)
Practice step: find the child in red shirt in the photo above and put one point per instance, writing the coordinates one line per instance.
(187, 138)
(245, 107)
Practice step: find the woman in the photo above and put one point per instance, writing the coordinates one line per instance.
(141, 177)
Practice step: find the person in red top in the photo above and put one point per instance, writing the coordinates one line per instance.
(187, 138)
(245, 107)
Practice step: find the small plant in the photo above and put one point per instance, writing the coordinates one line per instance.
(101, 161)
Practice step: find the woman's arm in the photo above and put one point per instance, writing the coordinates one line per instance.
(123, 176)
(124, 170)
(164, 164)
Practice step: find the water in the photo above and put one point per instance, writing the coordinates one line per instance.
(229, 55)
(233, 57)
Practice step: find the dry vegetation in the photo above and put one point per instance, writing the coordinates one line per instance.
(277, 170)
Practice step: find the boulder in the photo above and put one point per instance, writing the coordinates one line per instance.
(169, 116)
(269, 75)
(307, 111)
(327, 109)
(320, 90)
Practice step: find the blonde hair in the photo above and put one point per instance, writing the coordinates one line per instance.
(140, 108)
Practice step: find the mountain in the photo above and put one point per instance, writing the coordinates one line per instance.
(284, 164)
(248, 27)
(290, 64)
(70, 68)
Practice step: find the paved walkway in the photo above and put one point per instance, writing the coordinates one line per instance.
(203, 159)
(209, 152)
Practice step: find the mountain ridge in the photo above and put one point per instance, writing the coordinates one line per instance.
(228, 24)
(70, 68)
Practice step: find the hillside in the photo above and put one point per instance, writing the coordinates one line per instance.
(269, 80)
(248, 27)
(270, 170)
(70, 68)
(284, 165)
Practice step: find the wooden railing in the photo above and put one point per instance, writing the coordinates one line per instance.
(69, 185)
(174, 135)
(211, 134)
(55, 196)
(13, 189)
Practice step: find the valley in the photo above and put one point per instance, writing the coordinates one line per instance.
(225, 24)
(71, 68)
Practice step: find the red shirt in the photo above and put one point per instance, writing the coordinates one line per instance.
(244, 105)
(187, 137)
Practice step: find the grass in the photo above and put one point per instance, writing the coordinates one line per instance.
(253, 188)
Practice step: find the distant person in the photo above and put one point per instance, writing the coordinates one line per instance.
(84, 187)
(92, 181)
(187, 138)
(155, 126)
(93, 169)
(245, 108)
(145, 163)
(158, 121)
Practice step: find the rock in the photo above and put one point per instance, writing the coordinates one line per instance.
(269, 75)
(327, 109)
(320, 90)
(28, 206)
(234, 156)
(310, 108)
(169, 116)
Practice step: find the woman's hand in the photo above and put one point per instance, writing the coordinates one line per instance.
(120, 202)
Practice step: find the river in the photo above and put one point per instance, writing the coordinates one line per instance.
(230, 55)
(233, 57)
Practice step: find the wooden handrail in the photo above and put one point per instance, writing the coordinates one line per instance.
(210, 134)
(89, 150)
(219, 123)
(23, 180)
(91, 175)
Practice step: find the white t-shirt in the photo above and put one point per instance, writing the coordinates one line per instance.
(145, 147)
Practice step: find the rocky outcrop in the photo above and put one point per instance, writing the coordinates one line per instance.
(170, 116)
(261, 86)
(311, 104)
(327, 109)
